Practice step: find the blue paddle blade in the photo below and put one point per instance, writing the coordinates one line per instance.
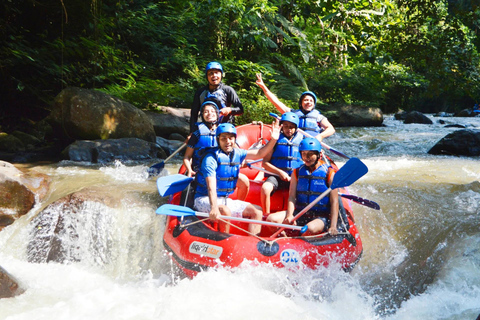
(172, 184)
(155, 169)
(351, 171)
(174, 210)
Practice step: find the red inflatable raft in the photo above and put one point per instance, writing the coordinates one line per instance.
(199, 246)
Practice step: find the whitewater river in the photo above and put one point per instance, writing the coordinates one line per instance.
(421, 250)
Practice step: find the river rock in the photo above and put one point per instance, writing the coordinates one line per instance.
(165, 124)
(170, 145)
(82, 114)
(353, 116)
(106, 151)
(460, 143)
(8, 285)
(80, 216)
(19, 191)
(417, 117)
(401, 115)
(466, 113)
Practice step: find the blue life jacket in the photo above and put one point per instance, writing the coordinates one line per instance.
(227, 173)
(286, 156)
(310, 186)
(206, 141)
(308, 122)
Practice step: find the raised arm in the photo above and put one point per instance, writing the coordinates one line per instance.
(281, 107)
(261, 153)
(328, 130)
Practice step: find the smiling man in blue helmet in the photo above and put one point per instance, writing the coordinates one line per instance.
(230, 103)
(310, 119)
(307, 183)
(218, 177)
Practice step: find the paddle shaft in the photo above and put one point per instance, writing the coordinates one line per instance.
(175, 152)
(301, 213)
(265, 223)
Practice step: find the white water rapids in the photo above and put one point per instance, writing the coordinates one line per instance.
(421, 250)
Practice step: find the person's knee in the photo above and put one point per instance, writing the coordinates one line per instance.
(224, 210)
(267, 188)
(253, 213)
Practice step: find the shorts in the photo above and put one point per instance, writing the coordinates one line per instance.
(237, 207)
(307, 217)
(278, 184)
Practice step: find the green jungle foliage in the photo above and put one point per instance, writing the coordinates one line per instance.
(405, 54)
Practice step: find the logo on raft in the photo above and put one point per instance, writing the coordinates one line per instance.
(290, 258)
(205, 249)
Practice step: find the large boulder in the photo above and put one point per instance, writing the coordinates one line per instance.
(19, 191)
(459, 143)
(417, 117)
(8, 285)
(77, 217)
(106, 151)
(165, 124)
(353, 116)
(82, 114)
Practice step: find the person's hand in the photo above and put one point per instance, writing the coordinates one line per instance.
(225, 111)
(333, 231)
(275, 129)
(259, 81)
(214, 214)
(284, 176)
(289, 220)
(319, 137)
(191, 173)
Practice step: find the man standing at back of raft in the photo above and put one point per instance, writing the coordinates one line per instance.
(310, 119)
(219, 174)
(230, 103)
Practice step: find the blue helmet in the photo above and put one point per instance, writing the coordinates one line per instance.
(290, 117)
(310, 93)
(309, 144)
(226, 128)
(213, 65)
(211, 102)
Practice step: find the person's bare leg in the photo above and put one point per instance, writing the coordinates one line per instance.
(254, 213)
(277, 217)
(265, 193)
(222, 226)
(243, 185)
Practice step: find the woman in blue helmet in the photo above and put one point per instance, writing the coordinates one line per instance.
(307, 183)
(282, 160)
(230, 103)
(204, 138)
(218, 177)
(310, 118)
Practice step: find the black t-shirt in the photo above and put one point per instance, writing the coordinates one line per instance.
(225, 94)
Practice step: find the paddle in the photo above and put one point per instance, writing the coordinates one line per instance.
(351, 171)
(357, 199)
(155, 169)
(362, 201)
(172, 184)
(180, 211)
(326, 146)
